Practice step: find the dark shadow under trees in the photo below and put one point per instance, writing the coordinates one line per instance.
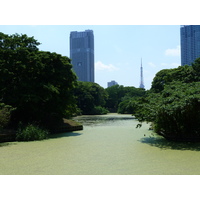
(164, 144)
(67, 134)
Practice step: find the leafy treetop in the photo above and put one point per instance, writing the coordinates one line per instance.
(38, 84)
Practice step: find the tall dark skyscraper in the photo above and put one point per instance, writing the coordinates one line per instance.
(82, 54)
(190, 43)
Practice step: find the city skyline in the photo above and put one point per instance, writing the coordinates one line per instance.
(118, 48)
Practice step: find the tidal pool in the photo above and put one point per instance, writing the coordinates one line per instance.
(109, 144)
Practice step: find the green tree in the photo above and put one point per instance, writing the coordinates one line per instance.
(175, 112)
(118, 94)
(115, 93)
(38, 84)
(172, 103)
(5, 114)
(91, 98)
(184, 74)
(127, 106)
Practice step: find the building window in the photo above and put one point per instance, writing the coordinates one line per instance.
(79, 64)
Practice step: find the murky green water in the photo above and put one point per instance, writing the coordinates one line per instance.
(108, 145)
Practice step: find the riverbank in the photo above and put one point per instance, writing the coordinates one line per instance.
(68, 126)
(8, 135)
(108, 145)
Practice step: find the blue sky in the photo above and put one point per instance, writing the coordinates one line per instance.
(124, 32)
(118, 48)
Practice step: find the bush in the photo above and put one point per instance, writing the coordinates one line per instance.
(31, 132)
(98, 110)
(5, 114)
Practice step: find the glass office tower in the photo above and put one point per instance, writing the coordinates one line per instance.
(190, 43)
(82, 54)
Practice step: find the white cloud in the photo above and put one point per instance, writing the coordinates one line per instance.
(165, 65)
(100, 66)
(174, 65)
(152, 65)
(173, 52)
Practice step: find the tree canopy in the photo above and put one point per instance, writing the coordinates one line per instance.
(185, 74)
(38, 84)
(90, 97)
(173, 103)
(175, 111)
(118, 94)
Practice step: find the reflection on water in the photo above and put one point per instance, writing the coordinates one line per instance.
(4, 144)
(106, 120)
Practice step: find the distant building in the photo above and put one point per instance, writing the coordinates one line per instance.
(141, 77)
(112, 83)
(82, 54)
(190, 43)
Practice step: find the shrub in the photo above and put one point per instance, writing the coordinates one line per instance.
(5, 113)
(31, 132)
(98, 110)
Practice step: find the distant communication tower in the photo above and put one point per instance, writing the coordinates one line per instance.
(141, 76)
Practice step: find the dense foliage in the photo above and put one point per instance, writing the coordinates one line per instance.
(173, 103)
(119, 94)
(127, 106)
(91, 98)
(31, 132)
(185, 74)
(5, 114)
(38, 84)
(175, 112)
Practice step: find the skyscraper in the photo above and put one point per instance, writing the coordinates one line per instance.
(82, 54)
(141, 77)
(190, 43)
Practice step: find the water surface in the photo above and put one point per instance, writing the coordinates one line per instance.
(109, 144)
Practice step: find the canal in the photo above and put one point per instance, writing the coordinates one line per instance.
(109, 145)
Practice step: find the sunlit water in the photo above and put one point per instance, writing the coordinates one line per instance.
(109, 144)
